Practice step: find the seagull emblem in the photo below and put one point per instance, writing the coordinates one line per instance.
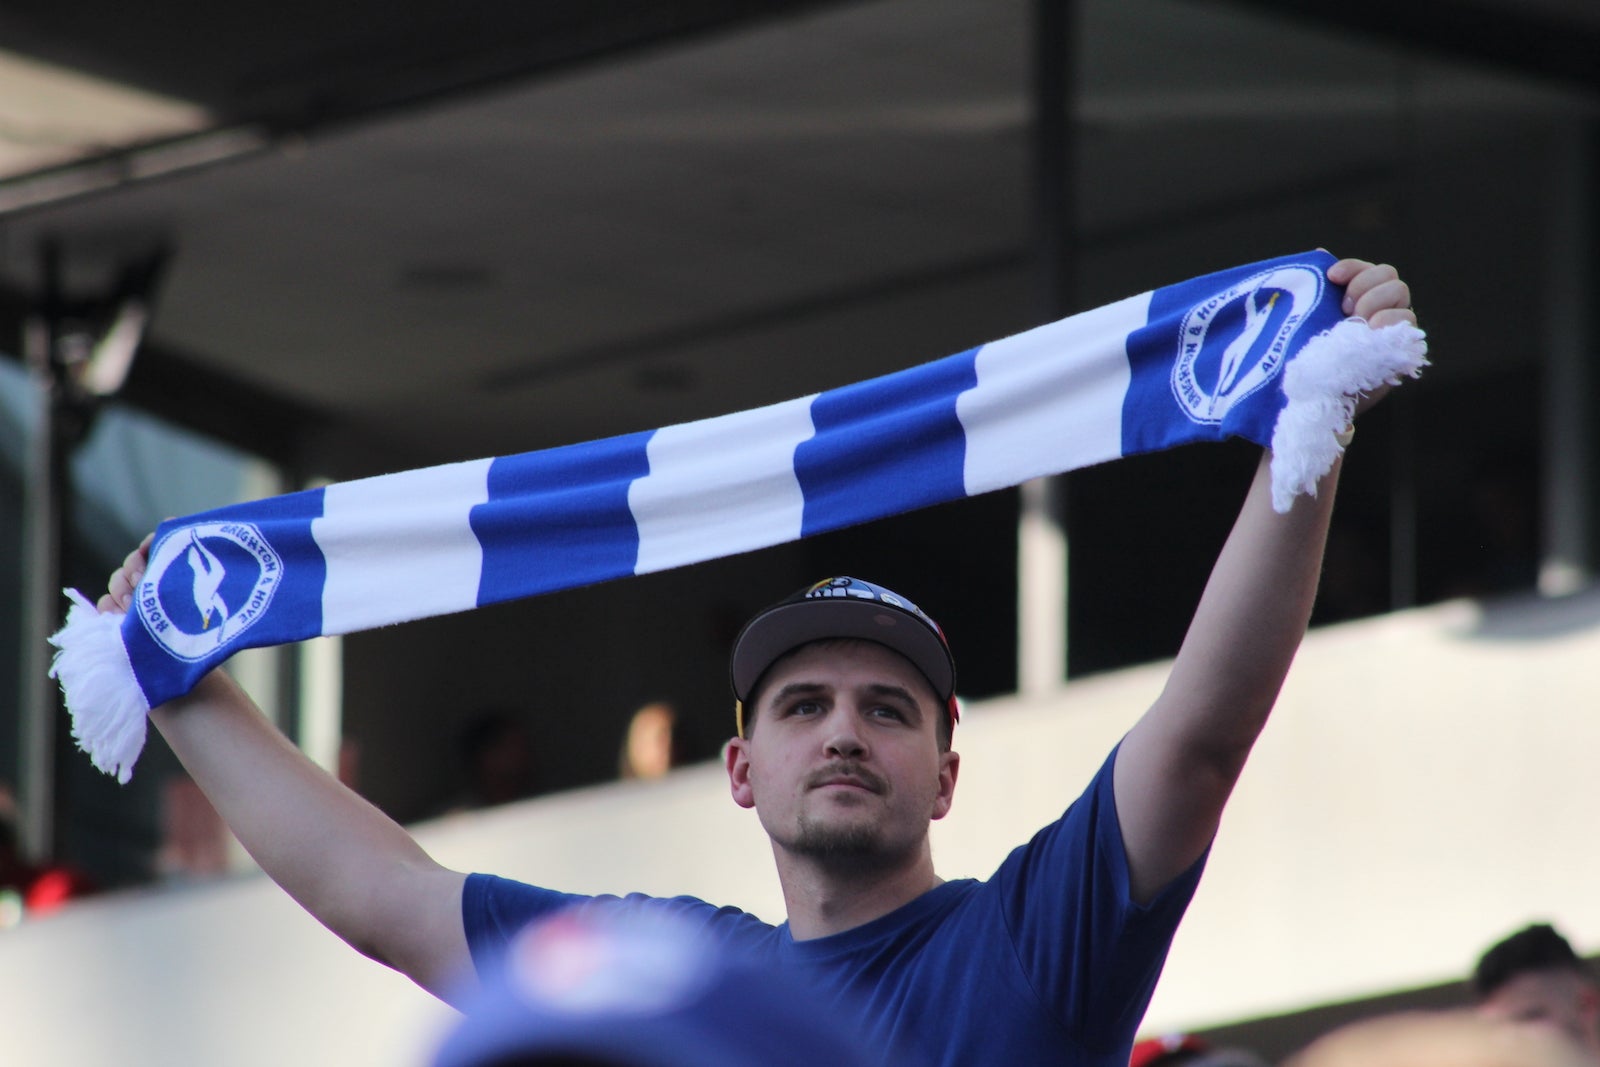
(1233, 357)
(208, 576)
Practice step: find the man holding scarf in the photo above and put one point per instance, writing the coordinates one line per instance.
(844, 752)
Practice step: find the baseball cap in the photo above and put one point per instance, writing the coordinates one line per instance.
(643, 988)
(843, 607)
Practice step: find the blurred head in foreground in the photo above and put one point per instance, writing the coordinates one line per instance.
(1441, 1039)
(609, 987)
(1533, 976)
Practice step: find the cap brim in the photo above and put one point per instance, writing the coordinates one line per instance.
(769, 636)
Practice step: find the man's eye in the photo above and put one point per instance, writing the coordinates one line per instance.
(805, 707)
(886, 712)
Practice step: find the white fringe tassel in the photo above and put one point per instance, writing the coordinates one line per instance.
(1322, 386)
(103, 696)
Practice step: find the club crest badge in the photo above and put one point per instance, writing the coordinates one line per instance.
(1236, 341)
(206, 585)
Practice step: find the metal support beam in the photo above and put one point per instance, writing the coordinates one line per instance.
(78, 352)
(1041, 533)
(1054, 178)
(1570, 402)
(38, 701)
(1552, 42)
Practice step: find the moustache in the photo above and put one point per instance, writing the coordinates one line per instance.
(847, 770)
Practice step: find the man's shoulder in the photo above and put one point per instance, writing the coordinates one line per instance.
(493, 908)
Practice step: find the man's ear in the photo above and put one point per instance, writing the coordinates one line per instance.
(949, 768)
(736, 757)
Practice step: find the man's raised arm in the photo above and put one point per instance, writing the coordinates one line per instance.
(1178, 765)
(351, 866)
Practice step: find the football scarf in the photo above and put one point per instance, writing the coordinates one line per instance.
(1261, 352)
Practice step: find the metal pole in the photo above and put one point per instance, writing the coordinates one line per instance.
(1053, 184)
(38, 700)
(1041, 532)
(1403, 559)
(1568, 556)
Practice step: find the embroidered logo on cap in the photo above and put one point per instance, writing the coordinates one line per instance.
(856, 589)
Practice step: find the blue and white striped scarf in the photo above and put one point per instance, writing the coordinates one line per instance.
(1261, 352)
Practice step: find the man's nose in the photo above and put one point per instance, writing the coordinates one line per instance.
(844, 735)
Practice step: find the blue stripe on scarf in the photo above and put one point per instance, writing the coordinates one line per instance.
(559, 518)
(886, 445)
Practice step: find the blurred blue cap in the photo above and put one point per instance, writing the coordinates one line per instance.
(643, 988)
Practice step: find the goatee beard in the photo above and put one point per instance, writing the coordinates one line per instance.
(856, 848)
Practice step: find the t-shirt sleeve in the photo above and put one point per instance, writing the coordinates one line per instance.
(1091, 952)
(494, 908)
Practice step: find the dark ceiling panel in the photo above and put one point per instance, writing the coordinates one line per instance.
(1552, 40)
(307, 62)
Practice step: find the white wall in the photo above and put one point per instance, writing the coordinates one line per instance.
(1426, 785)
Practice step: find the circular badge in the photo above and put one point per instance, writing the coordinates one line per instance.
(1233, 343)
(205, 585)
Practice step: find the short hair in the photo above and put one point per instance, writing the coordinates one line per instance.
(1534, 948)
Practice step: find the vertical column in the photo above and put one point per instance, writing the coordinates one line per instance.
(1403, 523)
(1570, 403)
(1041, 532)
(1410, 149)
(318, 669)
(1041, 591)
(321, 700)
(38, 702)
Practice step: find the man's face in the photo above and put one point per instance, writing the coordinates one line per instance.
(1555, 998)
(843, 763)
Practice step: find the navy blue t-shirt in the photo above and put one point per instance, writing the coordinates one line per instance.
(1049, 961)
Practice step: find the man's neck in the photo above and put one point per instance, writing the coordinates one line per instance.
(830, 898)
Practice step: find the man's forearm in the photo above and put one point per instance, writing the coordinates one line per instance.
(348, 864)
(1178, 765)
(1251, 618)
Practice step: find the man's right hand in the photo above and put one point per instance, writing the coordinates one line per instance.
(125, 579)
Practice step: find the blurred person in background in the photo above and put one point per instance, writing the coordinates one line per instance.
(1440, 1039)
(649, 748)
(1534, 976)
(498, 761)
